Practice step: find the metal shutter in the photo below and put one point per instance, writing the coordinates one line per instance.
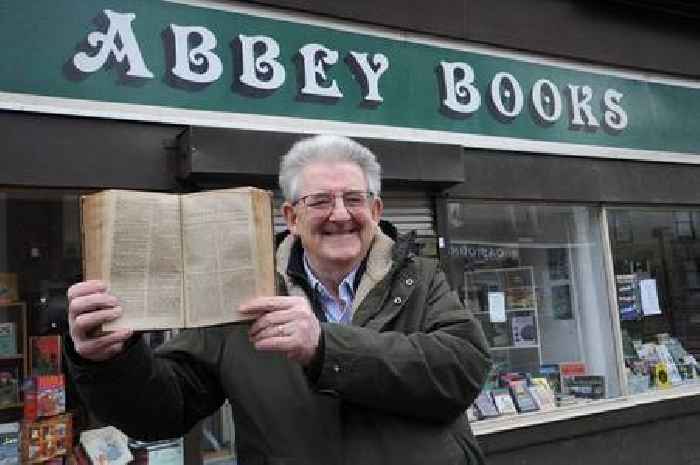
(408, 211)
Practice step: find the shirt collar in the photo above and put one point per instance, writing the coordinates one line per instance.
(346, 284)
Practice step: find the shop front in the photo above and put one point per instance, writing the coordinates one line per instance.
(561, 199)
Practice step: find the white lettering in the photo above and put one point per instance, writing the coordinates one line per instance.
(615, 115)
(496, 95)
(314, 68)
(198, 56)
(119, 25)
(539, 101)
(462, 88)
(265, 64)
(579, 106)
(381, 63)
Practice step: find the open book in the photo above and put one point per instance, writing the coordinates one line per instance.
(179, 260)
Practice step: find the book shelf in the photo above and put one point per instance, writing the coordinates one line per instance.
(505, 303)
(13, 355)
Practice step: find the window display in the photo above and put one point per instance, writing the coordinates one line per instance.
(40, 257)
(534, 277)
(656, 260)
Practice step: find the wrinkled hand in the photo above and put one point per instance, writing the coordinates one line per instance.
(284, 324)
(90, 305)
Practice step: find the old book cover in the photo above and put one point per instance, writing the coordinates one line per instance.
(46, 438)
(45, 355)
(179, 260)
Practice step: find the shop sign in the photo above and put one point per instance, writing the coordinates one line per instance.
(186, 57)
(482, 253)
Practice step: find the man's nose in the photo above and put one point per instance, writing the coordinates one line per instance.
(339, 211)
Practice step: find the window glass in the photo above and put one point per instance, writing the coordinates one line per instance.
(534, 278)
(40, 257)
(656, 259)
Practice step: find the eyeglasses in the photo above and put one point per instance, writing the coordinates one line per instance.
(323, 202)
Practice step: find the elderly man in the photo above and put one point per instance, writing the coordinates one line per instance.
(366, 356)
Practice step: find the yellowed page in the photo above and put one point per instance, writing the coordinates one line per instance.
(95, 219)
(145, 272)
(221, 258)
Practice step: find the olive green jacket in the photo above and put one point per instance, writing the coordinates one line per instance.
(390, 389)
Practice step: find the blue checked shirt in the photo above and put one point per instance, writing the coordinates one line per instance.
(336, 310)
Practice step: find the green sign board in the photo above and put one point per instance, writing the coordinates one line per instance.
(189, 59)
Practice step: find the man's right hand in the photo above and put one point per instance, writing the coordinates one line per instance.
(90, 305)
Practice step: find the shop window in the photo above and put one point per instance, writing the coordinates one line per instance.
(534, 277)
(40, 257)
(657, 278)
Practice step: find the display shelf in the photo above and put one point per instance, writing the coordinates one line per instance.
(517, 327)
(508, 310)
(13, 360)
(533, 346)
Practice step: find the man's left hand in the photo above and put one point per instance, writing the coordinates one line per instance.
(284, 324)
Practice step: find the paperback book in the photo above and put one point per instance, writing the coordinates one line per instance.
(550, 372)
(45, 355)
(44, 396)
(503, 401)
(524, 401)
(587, 386)
(567, 371)
(524, 331)
(9, 444)
(8, 338)
(9, 386)
(46, 438)
(484, 406)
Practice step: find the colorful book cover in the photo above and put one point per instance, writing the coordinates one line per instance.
(8, 338)
(544, 397)
(662, 379)
(524, 402)
(567, 370)
(551, 373)
(46, 438)
(9, 444)
(45, 355)
(44, 396)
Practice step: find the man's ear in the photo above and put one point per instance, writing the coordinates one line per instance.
(377, 209)
(290, 216)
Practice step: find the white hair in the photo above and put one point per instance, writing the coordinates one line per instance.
(326, 148)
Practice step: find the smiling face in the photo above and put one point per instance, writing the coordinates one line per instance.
(336, 240)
